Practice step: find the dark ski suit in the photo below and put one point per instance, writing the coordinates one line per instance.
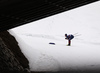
(69, 38)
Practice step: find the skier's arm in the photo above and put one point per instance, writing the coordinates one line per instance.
(66, 38)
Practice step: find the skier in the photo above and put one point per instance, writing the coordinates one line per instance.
(69, 38)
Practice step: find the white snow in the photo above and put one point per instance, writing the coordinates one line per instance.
(84, 52)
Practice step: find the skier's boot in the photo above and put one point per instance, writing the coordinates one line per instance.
(68, 45)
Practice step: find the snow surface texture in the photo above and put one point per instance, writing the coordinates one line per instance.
(84, 52)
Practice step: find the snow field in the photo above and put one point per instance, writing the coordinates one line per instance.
(83, 54)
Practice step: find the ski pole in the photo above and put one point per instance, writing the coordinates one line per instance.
(77, 35)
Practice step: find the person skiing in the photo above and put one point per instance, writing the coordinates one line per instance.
(69, 38)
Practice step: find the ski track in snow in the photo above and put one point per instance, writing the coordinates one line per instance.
(59, 38)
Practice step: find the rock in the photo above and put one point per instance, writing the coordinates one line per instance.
(11, 57)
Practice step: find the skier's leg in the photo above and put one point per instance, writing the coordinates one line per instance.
(69, 42)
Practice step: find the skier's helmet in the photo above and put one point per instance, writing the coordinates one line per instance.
(65, 34)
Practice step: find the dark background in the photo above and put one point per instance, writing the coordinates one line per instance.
(18, 12)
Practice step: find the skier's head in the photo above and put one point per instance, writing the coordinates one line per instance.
(65, 34)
